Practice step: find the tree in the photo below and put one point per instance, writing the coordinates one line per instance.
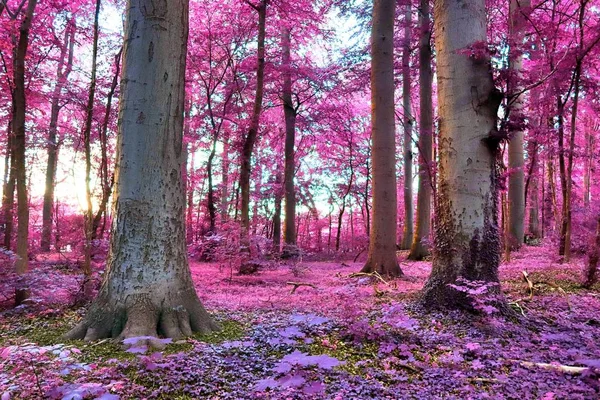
(250, 140)
(382, 244)
(19, 144)
(148, 288)
(419, 248)
(467, 241)
(407, 122)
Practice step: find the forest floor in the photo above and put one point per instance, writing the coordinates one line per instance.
(340, 337)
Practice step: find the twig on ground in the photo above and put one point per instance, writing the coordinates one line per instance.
(567, 369)
(370, 275)
(298, 284)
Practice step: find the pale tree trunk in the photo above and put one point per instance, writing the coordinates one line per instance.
(382, 241)
(419, 250)
(467, 238)
(19, 145)
(290, 138)
(587, 171)
(248, 147)
(87, 130)
(148, 289)
(62, 75)
(516, 153)
(407, 234)
(8, 192)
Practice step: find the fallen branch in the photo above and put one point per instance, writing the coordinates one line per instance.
(529, 283)
(567, 369)
(298, 284)
(370, 275)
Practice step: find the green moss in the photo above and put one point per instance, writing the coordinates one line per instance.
(230, 330)
(356, 357)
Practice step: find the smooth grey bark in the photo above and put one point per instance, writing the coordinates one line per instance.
(148, 289)
(408, 122)
(420, 249)
(382, 241)
(65, 65)
(467, 239)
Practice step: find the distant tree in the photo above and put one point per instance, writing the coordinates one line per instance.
(382, 245)
(148, 289)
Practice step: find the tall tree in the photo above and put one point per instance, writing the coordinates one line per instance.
(250, 140)
(65, 66)
(420, 248)
(407, 235)
(516, 151)
(148, 288)
(382, 241)
(19, 144)
(290, 138)
(467, 241)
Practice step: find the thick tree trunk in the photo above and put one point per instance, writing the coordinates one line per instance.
(407, 234)
(382, 241)
(420, 248)
(62, 75)
(148, 289)
(19, 145)
(591, 273)
(467, 239)
(248, 147)
(290, 139)
(516, 153)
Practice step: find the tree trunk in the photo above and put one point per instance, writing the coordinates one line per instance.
(277, 214)
(8, 192)
(248, 147)
(532, 191)
(87, 130)
(591, 273)
(407, 234)
(467, 239)
(516, 153)
(148, 289)
(107, 182)
(225, 178)
(290, 138)
(62, 75)
(19, 145)
(419, 250)
(210, 201)
(382, 241)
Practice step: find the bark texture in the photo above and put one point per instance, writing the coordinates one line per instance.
(420, 248)
(382, 241)
(407, 234)
(467, 240)
(148, 288)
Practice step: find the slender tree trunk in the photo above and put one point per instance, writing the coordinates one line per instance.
(587, 171)
(225, 178)
(367, 208)
(210, 203)
(407, 235)
(87, 130)
(420, 249)
(248, 147)
(467, 238)
(532, 191)
(382, 241)
(8, 192)
(62, 75)
(148, 289)
(107, 182)
(516, 153)
(277, 214)
(290, 138)
(19, 145)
